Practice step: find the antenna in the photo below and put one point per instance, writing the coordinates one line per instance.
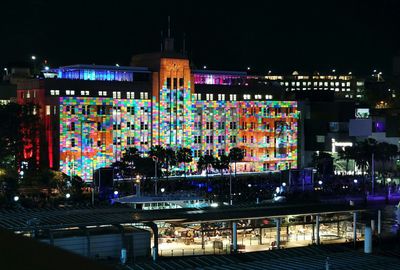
(184, 43)
(161, 41)
(169, 26)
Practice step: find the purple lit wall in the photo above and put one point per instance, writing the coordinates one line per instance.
(217, 79)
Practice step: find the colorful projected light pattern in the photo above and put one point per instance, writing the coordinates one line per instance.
(95, 131)
(266, 130)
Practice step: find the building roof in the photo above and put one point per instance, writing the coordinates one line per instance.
(103, 67)
(27, 219)
(19, 252)
(312, 257)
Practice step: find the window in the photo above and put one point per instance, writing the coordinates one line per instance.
(221, 125)
(70, 92)
(221, 139)
(209, 139)
(252, 125)
(84, 93)
(181, 82)
(257, 96)
(209, 125)
(197, 139)
(55, 92)
(47, 109)
(116, 126)
(103, 93)
(116, 94)
(209, 96)
(232, 97)
(144, 95)
(130, 95)
(144, 126)
(197, 125)
(252, 139)
(197, 96)
(268, 96)
(221, 152)
(221, 96)
(168, 83)
(232, 138)
(72, 142)
(244, 139)
(267, 139)
(246, 97)
(86, 109)
(72, 109)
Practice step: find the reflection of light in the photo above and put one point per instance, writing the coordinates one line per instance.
(214, 205)
(67, 195)
(16, 198)
(162, 189)
(320, 182)
(355, 181)
(46, 68)
(249, 185)
(33, 57)
(116, 192)
(278, 189)
(284, 184)
(389, 180)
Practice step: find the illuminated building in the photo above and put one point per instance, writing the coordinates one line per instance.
(342, 86)
(91, 114)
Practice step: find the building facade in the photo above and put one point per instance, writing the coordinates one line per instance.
(91, 114)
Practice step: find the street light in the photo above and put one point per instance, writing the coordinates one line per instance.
(162, 190)
(33, 57)
(16, 198)
(67, 195)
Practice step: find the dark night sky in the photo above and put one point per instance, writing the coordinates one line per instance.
(279, 35)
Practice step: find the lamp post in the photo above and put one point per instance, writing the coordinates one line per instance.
(155, 174)
(230, 182)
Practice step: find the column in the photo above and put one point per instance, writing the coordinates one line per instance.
(278, 233)
(354, 228)
(234, 237)
(379, 222)
(317, 228)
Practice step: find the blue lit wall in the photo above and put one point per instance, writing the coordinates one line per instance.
(95, 74)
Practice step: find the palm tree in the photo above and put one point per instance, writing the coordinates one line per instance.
(324, 163)
(184, 155)
(221, 163)
(385, 153)
(170, 158)
(159, 153)
(346, 154)
(236, 155)
(204, 163)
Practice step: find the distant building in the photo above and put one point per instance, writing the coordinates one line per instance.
(342, 86)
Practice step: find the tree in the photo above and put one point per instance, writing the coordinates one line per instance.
(128, 164)
(324, 163)
(347, 154)
(385, 153)
(236, 155)
(170, 159)
(221, 163)
(204, 163)
(184, 155)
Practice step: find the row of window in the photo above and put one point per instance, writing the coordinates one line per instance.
(103, 109)
(343, 84)
(320, 88)
(115, 94)
(232, 97)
